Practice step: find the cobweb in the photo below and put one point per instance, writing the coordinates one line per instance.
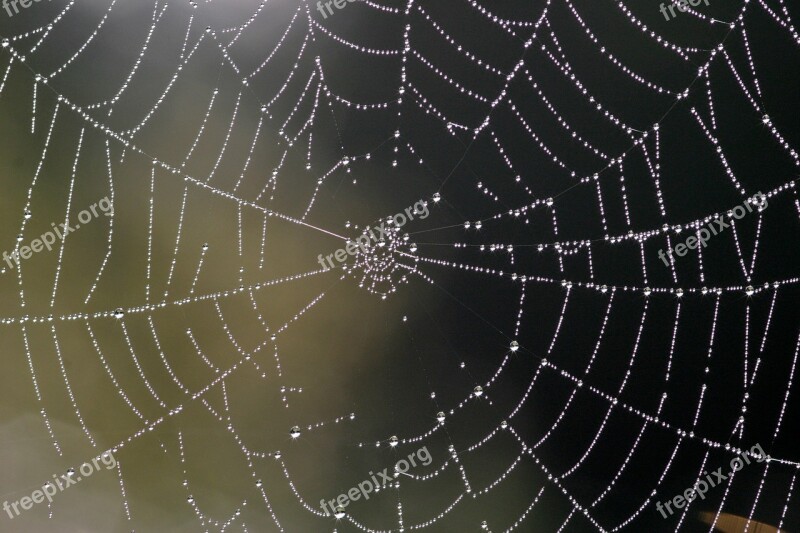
(562, 377)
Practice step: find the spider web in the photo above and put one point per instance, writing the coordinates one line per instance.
(558, 145)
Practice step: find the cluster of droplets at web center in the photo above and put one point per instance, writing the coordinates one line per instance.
(383, 259)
